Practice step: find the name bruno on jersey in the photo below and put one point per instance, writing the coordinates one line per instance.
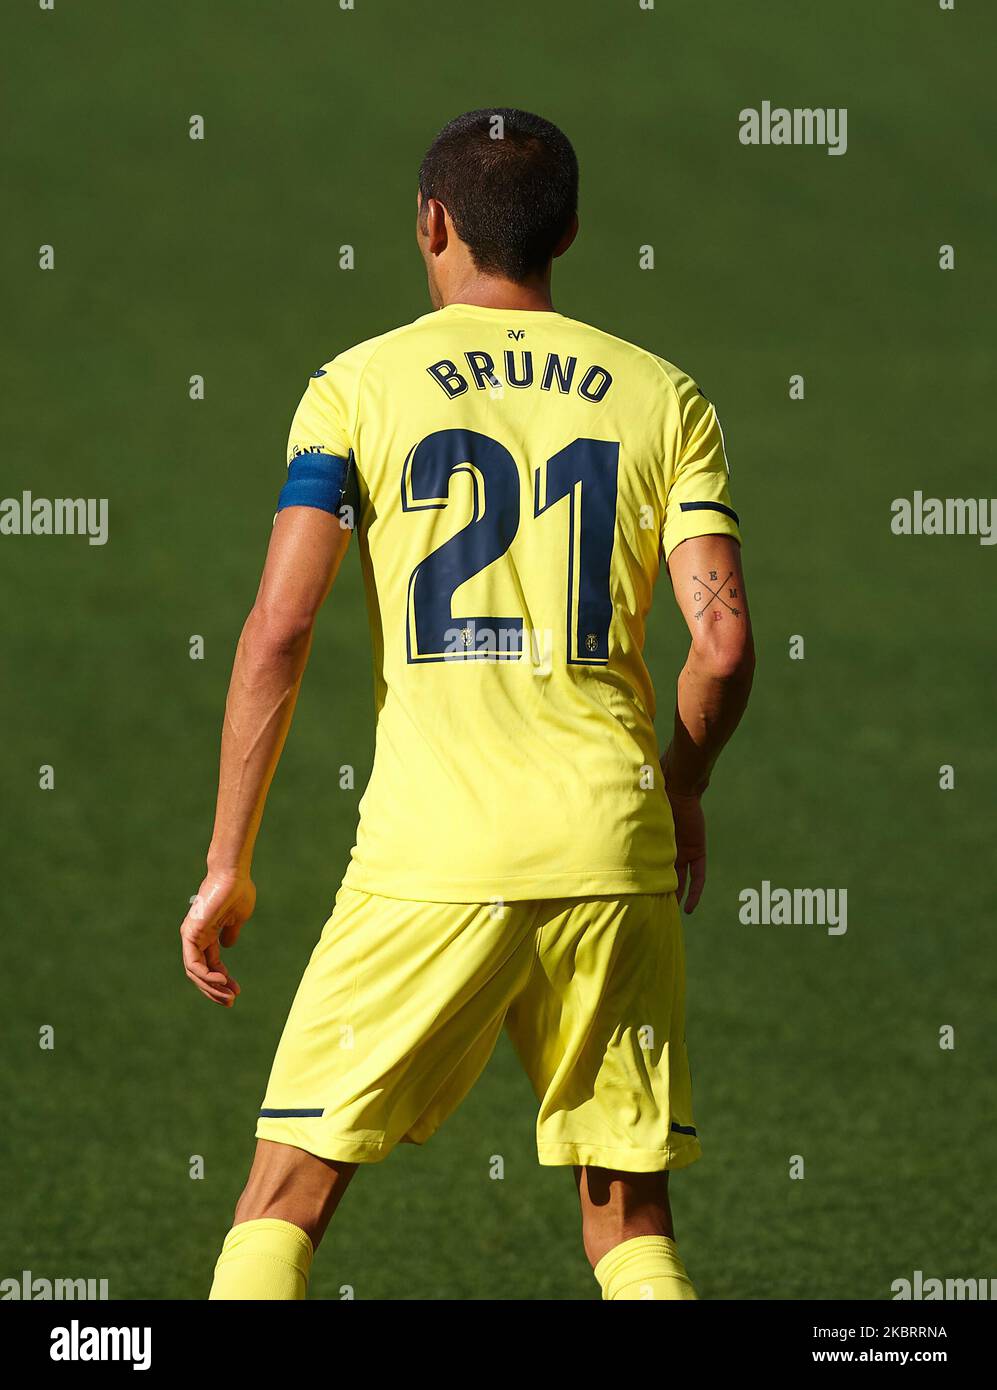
(557, 373)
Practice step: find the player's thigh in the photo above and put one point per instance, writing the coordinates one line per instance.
(600, 1029)
(395, 1016)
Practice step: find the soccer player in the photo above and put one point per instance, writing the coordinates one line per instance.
(516, 478)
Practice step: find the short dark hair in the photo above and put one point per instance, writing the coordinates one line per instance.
(511, 196)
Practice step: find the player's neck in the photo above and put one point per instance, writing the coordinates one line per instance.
(494, 292)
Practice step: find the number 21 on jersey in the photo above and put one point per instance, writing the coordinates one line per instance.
(581, 476)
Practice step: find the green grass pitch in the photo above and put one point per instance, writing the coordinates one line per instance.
(219, 258)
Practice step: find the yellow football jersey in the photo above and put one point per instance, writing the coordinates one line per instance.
(520, 476)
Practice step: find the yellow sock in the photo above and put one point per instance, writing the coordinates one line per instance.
(645, 1267)
(263, 1259)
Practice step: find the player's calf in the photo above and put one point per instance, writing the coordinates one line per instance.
(280, 1218)
(628, 1235)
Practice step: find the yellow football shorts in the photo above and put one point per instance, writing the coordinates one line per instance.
(402, 1003)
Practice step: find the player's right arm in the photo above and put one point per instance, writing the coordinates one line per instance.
(306, 548)
(310, 535)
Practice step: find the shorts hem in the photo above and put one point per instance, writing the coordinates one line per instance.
(623, 1160)
(338, 1148)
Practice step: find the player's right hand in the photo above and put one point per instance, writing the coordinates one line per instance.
(224, 902)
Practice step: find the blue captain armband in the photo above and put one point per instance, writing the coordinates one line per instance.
(317, 480)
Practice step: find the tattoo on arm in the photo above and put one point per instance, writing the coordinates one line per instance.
(716, 596)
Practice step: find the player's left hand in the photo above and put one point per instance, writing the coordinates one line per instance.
(690, 847)
(224, 903)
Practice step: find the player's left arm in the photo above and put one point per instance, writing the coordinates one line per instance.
(701, 542)
(708, 581)
(306, 548)
(713, 688)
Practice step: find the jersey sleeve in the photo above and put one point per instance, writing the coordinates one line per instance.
(320, 463)
(698, 499)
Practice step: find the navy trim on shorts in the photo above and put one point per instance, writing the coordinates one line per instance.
(684, 1129)
(291, 1114)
